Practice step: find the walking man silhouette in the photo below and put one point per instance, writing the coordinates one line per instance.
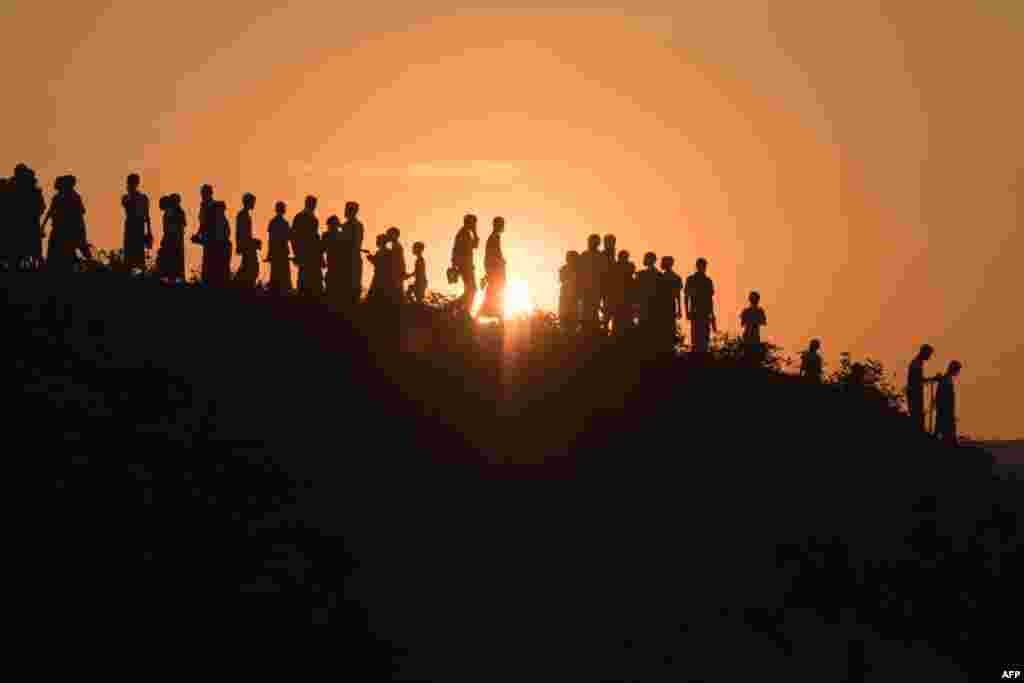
(306, 245)
(247, 245)
(494, 265)
(699, 293)
(418, 288)
(466, 241)
(206, 221)
(670, 306)
(647, 291)
(915, 385)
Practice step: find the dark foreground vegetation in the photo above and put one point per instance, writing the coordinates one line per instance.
(474, 511)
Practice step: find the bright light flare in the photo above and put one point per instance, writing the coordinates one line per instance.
(518, 301)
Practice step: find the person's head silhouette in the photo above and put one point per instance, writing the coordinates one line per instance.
(392, 234)
(593, 242)
(954, 368)
(351, 209)
(815, 345)
(650, 259)
(175, 199)
(570, 257)
(666, 263)
(280, 208)
(498, 224)
(926, 352)
(623, 256)
(310, 203)
(382, 239)
(417, 248)
(754, 298)
(702, 265)
(333, 222)
(132, 182)
(609, 243)
(248, 201)
(206, 192)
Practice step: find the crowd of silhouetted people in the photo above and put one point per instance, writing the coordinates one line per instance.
(601, 290)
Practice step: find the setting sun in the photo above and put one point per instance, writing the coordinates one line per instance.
(517, 299)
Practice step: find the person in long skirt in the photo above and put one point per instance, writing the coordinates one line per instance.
(171, 255)
(278, 255)
(68, 234)
(138, 229)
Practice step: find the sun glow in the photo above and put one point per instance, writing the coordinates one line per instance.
(518, 301)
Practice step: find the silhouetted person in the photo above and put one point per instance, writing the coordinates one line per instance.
(647, 292)
(608, 280)
(670, 305)
(138, 229)
(306, 245)
(278, 234)
(6, 233)
(752, 319)
(466, 241)
(568, 293)
(381, 262)
(396, 269)
(617, 290)
(218, 246)
(339, 263)
(68, 234)
(206, 221)
(24, 210)
(590, 278)
(353, 231)
(418, 288)
(699, 293)
(246, 244)
(810, 362)
(945, 404)
(915, 385)
(494, 265)
(170, 259)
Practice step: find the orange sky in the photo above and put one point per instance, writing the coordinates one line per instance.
(859, 166)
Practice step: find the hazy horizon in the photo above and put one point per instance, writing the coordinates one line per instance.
(859, 165)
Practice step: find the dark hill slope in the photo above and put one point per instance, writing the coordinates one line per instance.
(227, 458)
